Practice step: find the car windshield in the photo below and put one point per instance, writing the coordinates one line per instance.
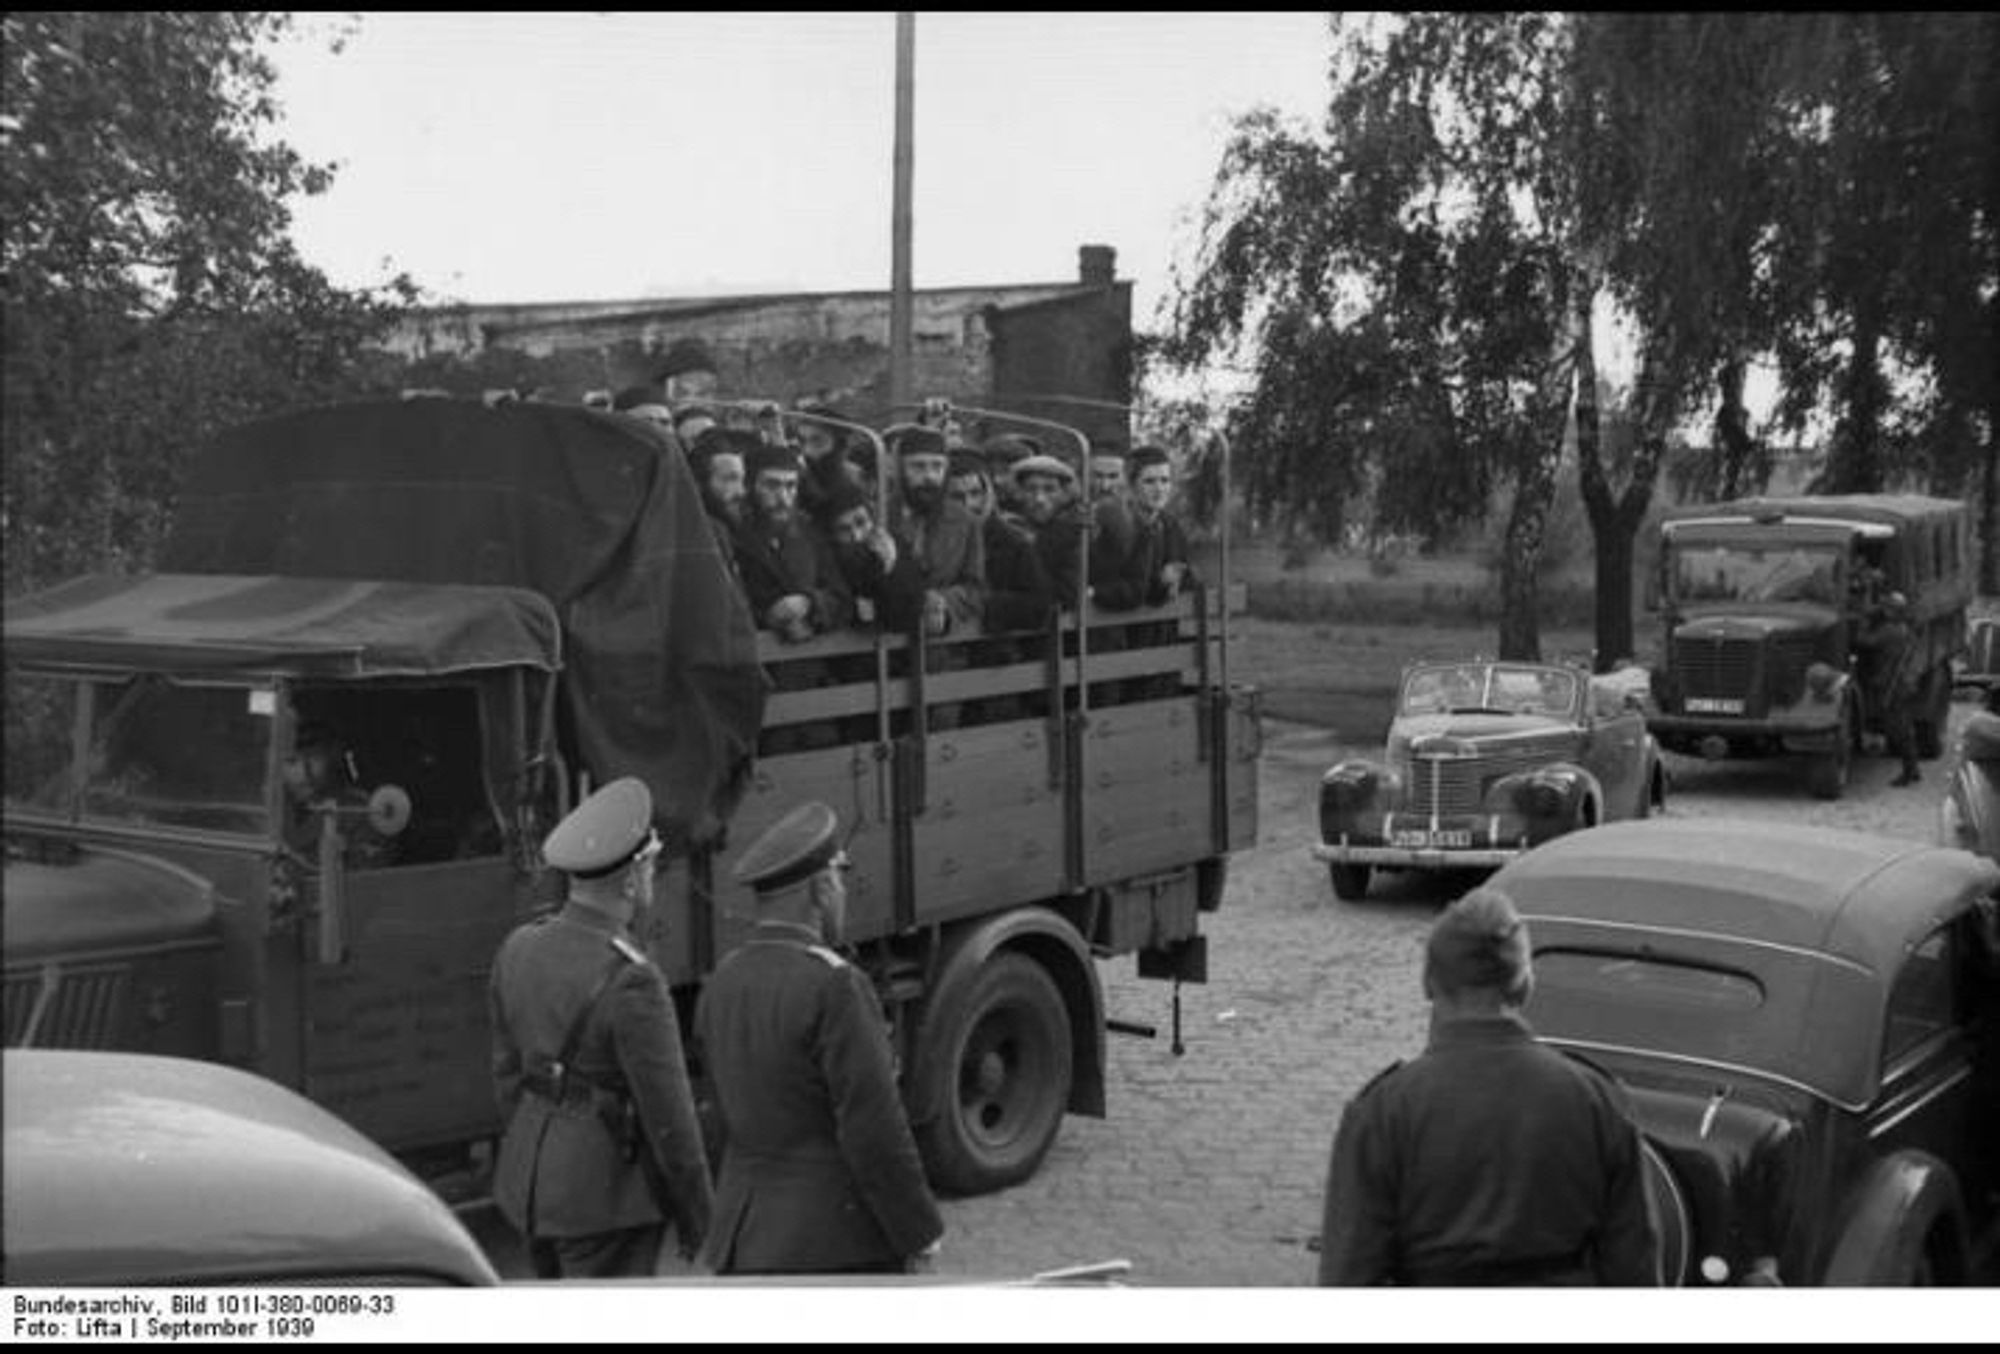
(1506, 688)
(159, 752)
(1739, 573)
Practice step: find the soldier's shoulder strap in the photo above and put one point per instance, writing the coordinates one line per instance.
(629, 951)
(826, 956)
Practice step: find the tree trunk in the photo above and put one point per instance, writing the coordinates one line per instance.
(1854, 465)
(1740, 469)
(1614, 521)
(1520, 567)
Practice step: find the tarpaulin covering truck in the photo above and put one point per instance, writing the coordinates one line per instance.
(493, 609)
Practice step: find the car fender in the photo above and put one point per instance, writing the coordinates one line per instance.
(1593, 789)
(1896, 1208)
(1052, 942)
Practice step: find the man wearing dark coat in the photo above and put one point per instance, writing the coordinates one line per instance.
(788, 573)
(1491, 1160)
(602, 1150)
(820, 1173)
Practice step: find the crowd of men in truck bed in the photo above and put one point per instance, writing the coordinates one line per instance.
(979, 537)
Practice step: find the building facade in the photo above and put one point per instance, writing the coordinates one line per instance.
(1015, 347)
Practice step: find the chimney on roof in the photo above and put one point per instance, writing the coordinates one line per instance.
(1097, 265)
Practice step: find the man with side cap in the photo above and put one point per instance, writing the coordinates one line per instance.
(602, 1148)
(820, 1173)
(1490, 1160)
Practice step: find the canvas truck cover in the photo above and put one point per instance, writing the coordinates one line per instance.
(597, 512)
(306, 626)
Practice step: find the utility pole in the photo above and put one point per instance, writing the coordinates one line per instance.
(901, 340)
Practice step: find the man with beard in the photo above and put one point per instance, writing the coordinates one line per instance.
(827, 468)
(942, 535)
(717, 463)
(884, 577)
(795, 590)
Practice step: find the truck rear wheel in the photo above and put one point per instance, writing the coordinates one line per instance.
(1350, 882)
(1008, 1079)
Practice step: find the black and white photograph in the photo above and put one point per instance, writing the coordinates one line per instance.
(931, 677)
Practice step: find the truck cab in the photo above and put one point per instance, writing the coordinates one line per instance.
(1762, 603)
(176, 885)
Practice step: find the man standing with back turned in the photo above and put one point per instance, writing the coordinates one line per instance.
(1491, 1160)
(602, 1148)
(819, 1171)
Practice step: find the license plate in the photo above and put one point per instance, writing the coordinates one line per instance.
(1713, 705)
(1421, 837)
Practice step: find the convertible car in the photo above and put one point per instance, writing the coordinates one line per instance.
(1484, 761)
(1808, 1024)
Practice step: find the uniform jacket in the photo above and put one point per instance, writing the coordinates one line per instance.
(776, 561)
(819, 1172)
(1488, 1151)
(560, 1170)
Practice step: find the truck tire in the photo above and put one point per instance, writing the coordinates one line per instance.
(1350, 882)
(1826, 772)
(1007, 1080)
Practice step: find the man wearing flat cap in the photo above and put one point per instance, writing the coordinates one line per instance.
(820, 1173)
(1491, 1159)
(602, 1150)
(1045, 487)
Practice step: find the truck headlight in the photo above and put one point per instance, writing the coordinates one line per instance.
(1820, 680)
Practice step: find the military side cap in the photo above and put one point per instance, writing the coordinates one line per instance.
(603, 831)
(1043, 465)
(796, 847)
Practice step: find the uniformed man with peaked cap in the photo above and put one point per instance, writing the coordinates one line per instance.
(602, 1150)
(820, 1173)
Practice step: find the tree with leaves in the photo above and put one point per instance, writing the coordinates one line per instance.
(151, 292)
(1403, 290)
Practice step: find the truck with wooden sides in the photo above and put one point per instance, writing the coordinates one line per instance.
(496, 609)
(1763, 606)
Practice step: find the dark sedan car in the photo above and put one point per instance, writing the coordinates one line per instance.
(1808, 1022)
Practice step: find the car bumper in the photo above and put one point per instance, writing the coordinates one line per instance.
(1792, 726)
(1417, 858)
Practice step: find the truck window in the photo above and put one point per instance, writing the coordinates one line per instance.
(178, 755)
(1729, 573)
(430, 742)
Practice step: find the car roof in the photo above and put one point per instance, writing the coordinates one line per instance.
(1822, 919)
(126, 1168)
(1849, 895)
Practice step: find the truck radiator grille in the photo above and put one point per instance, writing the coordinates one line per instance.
(53, 1008)
(1716, 668)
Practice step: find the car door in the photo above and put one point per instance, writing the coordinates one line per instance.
(1614, 748)
(1926, 1100)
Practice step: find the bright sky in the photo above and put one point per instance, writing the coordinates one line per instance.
(536, 157)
